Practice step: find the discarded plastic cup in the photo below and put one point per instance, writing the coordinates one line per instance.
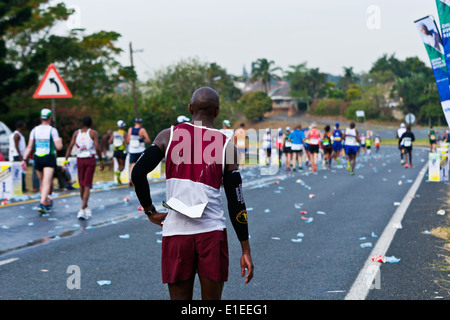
(379, 258)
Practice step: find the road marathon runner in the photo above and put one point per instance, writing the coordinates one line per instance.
(118, 139)
(377, 141)
(226, 124)
(313, 135)
(240, 141)
(369, 135)
(407, 142)
(362, 139)
(327, 146)
(287, 148)
(279, 145)
(266, 143)
(198, 160)
(45, 140)
(337, 143)
(306, 148)
(398, 135)
(86, 141)
(137, 137)
(351, 138)
(432, 136)
(297, 137)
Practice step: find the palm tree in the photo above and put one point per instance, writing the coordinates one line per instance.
(263, 72)
(348, 78)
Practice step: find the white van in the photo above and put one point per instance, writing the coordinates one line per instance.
(5, 132)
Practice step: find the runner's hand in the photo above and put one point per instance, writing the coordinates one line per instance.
(157, 218)
(246, 263)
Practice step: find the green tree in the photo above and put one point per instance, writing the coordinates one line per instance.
(348, 79)
(87, 62)
(306, 84)
(332, 91)
(254, 104)
(169, 91)
(13, 14)
(354, 92)
(264, 72)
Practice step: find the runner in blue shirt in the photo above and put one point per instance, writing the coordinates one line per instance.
(297, 136)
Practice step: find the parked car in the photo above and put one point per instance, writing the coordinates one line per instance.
(5, 132)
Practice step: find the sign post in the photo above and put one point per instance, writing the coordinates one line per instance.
(410, 118)
(53, 87)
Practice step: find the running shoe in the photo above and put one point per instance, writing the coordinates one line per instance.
(88, 212)
(42, 209)
(406, 165)
(81, 215)
(349, 168)
(352, 173)
(50, 202)
(118, 177)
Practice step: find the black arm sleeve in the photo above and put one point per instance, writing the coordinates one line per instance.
(232, 183)
(148, 161)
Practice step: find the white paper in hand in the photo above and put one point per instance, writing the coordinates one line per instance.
(192, 212)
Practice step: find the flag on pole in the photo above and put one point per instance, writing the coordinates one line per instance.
(432, 40)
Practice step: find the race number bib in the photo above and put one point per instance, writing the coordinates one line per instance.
(134, 141)
(42, 147)
(407, 142)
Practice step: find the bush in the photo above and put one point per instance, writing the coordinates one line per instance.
(328, 107)
(255, 104)
(370, 109)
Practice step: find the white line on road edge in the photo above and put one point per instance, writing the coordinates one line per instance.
(364, 281)
(8, 261)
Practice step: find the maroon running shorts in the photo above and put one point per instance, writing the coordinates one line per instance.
(204, 253)
(86, 169)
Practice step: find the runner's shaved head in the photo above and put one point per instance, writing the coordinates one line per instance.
(205, 100)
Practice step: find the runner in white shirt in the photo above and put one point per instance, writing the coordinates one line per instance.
(398, 135)
(86, 142)
(136, 139)
(17, 147)
(45, 140)
(351, 138)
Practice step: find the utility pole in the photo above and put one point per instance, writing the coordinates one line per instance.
(133, 83)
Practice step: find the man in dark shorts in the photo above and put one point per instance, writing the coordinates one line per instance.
(407, 140)
(45, 140)
(194, 229)
(118, 139)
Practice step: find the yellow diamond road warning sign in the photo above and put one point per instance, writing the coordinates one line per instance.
(52, 85)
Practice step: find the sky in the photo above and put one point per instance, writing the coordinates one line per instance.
(326, 34)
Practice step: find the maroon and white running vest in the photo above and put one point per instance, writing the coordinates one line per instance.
(195, 162)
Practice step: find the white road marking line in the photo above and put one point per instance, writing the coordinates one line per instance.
(8, 261)
(368, 273)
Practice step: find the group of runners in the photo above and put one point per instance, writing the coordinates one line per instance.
(195, 245)
(309, 145)
(300, 147)
(44, 142)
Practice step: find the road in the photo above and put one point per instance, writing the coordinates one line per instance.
(315, 255)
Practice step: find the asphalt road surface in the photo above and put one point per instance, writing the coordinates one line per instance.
(311, 238)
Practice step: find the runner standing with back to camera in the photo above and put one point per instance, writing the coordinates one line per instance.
(194, 176)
